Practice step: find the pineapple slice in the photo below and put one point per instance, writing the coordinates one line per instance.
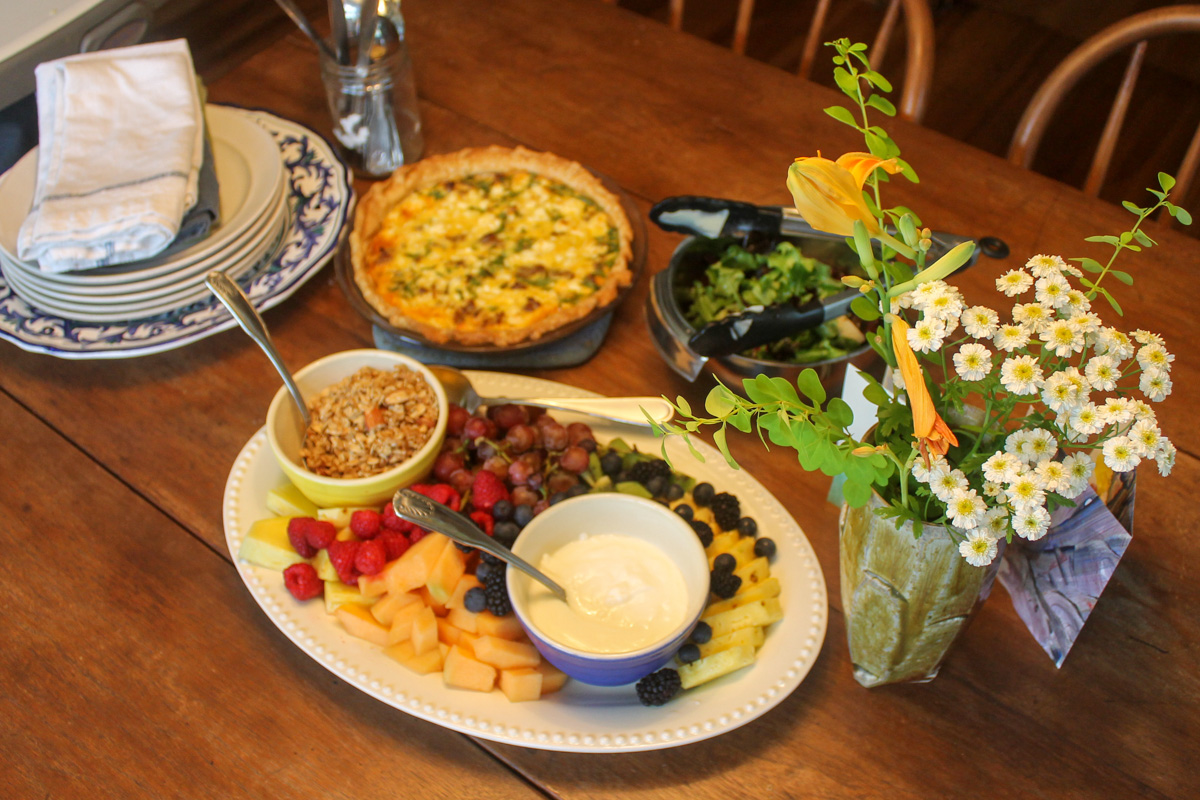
(716, 665)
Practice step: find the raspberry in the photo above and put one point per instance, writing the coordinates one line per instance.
(487, 490)
(320, 533)
(483, 520)
(394, 544)
(297, 531)
(370, 558)
(439, 493)
(342, 556)
(302, 581)
(366, 524)
(417, 535)
(389, 521)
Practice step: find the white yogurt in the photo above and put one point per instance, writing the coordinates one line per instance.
(622, 594)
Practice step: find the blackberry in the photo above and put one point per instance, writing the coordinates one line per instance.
(724, 584)
(724, 563)
(497, 599)
(688, 653)
(747, 527)
(727, 510)
(488, 558)
(475, 600)
(702, 633)
(505, 532)
(502, 510)
(685, 511)
(703, 530)
(656, 485)
(659, 687)
(610, 463)
(644, 471)
(674, 492)
(764, 547)
(703, 493)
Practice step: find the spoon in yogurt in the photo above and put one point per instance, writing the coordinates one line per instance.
(418, 509)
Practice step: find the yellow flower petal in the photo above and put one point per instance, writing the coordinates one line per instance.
(829, 195)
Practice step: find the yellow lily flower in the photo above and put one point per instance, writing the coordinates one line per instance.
(930, 430)
(828, 194)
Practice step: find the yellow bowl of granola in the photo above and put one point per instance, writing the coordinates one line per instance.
(378, 421)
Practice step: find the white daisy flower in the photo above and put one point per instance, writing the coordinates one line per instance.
(927, 292)
(1112, 342)
(1155, 384)
(1102, 373)
(1021, 375)
(1017, 444)
(945, 483)
(995, 522)
(1117, 411)
(1044, 266)
(973, 362)
(1060, 393)
(1119, 454)
(1026, 490)
(1077, 302)
(1087, 323)
(1087, 419)
(1079, 467)
(965, 509)
(1146, 337)
(946, 306)
(1142, 410)
(995, 491)
(922, 472)
(1014, 282)
(1042, 445)
(980, 322)
(1155, 356)
(1010, 337)
(1164, 456)
(1052, 290)
(1063, 337)
(927, 335)
(1053, 474)
(1034, 317)
(901, 302)
(1145, 437)
(1002, 466)
(1032, 522)
(979, 548)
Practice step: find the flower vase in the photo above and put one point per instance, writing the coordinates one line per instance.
(906, 599)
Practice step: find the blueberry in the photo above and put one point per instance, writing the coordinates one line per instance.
(475, 600)
(577, 489)
(505, 533)
(685, 511)
(764, 547)
(702, 633)
(688, 653)
(610, 463)
(522, 515)
(656, 485)
(703, 493)
(483, 570)
(704, 531)
(724, 563)
(746, 526)
(502, 510)
(674, 492)
(557, 497)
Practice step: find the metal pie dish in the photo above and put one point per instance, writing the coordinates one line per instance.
(670, 330)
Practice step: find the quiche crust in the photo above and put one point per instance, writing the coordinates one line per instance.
(370, 256)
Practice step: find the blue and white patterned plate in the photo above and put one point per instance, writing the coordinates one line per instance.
(320, 199)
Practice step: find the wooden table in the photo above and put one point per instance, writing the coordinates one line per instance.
(136, 664)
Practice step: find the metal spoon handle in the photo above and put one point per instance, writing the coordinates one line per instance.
(297, 16)
(617, 409)
(233, 298)
(420, 510)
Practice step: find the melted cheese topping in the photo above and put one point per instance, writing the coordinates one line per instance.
(491, 250)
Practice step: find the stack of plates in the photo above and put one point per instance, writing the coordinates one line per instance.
(253, 212)
(285, 196)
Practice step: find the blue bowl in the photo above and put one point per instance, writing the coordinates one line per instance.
(595, 514)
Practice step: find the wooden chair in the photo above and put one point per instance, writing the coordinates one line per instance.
(914, 92)
(1135, 30)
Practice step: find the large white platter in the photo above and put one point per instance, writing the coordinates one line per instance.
(579, 718)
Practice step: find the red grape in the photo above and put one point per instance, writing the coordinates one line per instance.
(520, 437)
(455, 420)
(554, 437)
(446, 464)
(508, 415)
(524, 496)
(574, 459)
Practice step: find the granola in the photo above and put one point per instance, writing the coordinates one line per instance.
(369, 422)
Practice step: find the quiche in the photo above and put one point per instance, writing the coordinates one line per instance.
(490, 246)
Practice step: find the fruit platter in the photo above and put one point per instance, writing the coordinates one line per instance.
(424, 626)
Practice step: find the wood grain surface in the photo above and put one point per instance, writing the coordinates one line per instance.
(135, 657)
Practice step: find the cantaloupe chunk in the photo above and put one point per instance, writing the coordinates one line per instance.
(505, 654)
(402, 623)
(465, 584)
(447, 633)
(358, 622)
(385, 610)
(426, 663)
(463, 672)
(553, 678)
(748, 593)
(464, 620)
(372, 585)
(488, 624)
(424, 632)
(444, 575)
(412, 569)
(401, 651)
(521, 685)
(438, 607)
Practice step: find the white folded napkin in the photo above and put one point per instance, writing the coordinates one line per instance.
(121, 142)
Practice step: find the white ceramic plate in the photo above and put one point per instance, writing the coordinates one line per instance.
(247, 162)
(579, 718)
(320, 200)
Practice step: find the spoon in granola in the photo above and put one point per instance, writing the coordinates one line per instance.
(234, 299)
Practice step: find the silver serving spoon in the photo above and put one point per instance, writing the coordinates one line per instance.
(619, 409)
(418, 509)
(297, 16)
(233, 298)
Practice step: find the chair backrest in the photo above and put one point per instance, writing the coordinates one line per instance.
(918, 24)
(1136, 31)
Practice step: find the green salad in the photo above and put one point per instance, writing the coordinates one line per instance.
(741, 279)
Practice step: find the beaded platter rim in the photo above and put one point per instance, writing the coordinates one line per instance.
(320, 200)
(579, 718)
